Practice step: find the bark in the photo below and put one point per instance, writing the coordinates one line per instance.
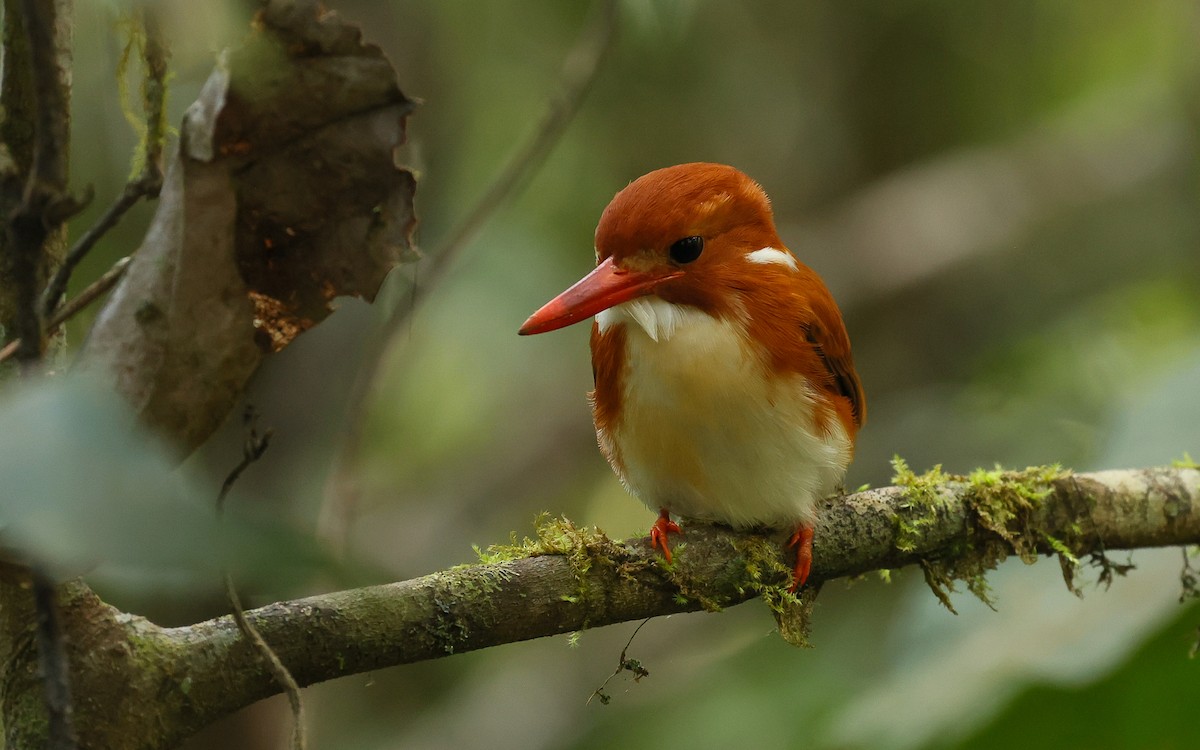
(35, 99)
(142, 686)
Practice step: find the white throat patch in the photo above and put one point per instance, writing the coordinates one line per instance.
(657, 317)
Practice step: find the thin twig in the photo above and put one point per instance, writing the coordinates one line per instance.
(255, 446)
(89, 295)
(278, 669)
(625, 664)
(52, 662)
(148, 183)
(580, 70)
(133, 192)
(1188, 579)
(76, 304)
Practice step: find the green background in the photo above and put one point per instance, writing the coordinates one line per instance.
(1004, 199)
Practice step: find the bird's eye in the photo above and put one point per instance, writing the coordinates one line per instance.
(687, 249)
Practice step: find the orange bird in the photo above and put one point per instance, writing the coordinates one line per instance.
(725, 390)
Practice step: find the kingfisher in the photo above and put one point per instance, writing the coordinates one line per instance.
(725, 389)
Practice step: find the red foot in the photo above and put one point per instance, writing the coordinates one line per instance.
(802, 541)
(659, 531)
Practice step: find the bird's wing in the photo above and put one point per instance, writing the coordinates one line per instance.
(828, 337)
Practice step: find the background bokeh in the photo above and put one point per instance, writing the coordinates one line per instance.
(1003, 197)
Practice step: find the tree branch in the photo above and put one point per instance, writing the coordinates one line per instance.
(46, 203)
(570, 579)
(56, 685)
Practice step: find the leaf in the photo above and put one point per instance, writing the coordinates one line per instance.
(282, 194)
(85, 487)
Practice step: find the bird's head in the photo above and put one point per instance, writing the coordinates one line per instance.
(688, 234)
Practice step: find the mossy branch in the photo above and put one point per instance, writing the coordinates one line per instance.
(148, 687)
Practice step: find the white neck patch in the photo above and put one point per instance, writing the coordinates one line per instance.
(657, 317)
(772, 255)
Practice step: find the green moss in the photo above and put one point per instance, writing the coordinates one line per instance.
(150, 122)
(459, 596)
(679, 572)
(1002, 510)
(1003, 503)
(922, 498)
(940, 583)
(442, 629)
(554, 536)
(584, 547)
(1068, 560)
(466, 583)
(472, 584)
(1185, 462)
(762, 572)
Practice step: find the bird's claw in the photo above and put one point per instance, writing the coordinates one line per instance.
(802, 541)
(659, 533)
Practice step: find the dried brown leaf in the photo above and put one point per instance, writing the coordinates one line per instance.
(282, 194)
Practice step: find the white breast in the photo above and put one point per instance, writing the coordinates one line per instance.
(704, 434)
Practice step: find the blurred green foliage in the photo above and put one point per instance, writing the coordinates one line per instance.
(1004, 198)
(113, 505)
(1141, 703)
